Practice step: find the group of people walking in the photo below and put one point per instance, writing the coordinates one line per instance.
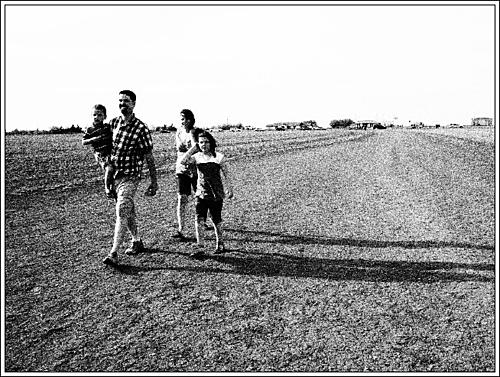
(120, 148)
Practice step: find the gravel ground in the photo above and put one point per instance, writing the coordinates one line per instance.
(374, 254)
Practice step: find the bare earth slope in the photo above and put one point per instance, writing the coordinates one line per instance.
(373, 253)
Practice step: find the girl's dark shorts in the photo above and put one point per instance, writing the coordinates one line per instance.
(215, 207)
(184, 184)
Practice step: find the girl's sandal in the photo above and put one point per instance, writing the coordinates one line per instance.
(220, 250)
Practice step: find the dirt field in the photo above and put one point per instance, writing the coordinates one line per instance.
(482, 134)
(351, 251)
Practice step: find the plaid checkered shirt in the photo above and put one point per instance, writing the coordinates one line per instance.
(131, 141)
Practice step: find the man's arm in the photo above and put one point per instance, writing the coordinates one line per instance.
(227, 180)
(153, 187)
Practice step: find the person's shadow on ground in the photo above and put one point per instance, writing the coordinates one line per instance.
(260, 263)
(260, 236)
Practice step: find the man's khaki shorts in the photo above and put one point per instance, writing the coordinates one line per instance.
(126, 187)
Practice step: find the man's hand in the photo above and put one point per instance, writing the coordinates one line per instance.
(152, 189)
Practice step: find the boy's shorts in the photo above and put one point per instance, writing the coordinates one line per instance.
(215, 207)
(184, 184)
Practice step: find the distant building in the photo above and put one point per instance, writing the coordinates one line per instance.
(282, 126)
(482, 121)
(364, 124)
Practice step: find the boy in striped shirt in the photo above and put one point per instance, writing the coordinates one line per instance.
(99, 137)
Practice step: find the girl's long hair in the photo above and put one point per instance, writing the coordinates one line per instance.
(188, 114)
(211, 140)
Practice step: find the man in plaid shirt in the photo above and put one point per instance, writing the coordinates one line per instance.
(131, 144)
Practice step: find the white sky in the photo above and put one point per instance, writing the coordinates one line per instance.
(249, 64)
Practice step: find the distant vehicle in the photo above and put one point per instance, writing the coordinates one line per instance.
(455, 125)
(166, 129)
(378, 126)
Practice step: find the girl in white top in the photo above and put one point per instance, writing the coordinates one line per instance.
(211, 168)
(185, 138)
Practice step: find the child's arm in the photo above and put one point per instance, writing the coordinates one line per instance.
(227, 179)
(96, 134)
(86, 135)
(193, 136)
(179, 144)
(188, 155)
(93, 139)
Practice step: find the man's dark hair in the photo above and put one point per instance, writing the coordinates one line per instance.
(188, 114)
(129, 93)
(100, 108)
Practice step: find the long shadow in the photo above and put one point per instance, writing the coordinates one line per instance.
(290, 239)
(258, 263)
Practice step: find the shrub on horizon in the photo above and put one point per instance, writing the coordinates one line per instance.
(341, 123)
